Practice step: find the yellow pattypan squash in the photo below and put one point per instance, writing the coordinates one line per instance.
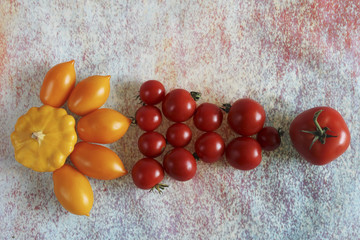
(43, 138)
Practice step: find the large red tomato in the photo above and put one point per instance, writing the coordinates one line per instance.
(320, 135)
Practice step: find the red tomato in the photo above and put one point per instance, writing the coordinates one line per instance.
(208, 117)
(148, 118)
(97, 161)
(152, 92)
(210, 147)
(151, 144)
(320, 135)
(179, 135)
(178, 105)
(268, 138)
(147, 173)
(243, 153)
(246, 117)
(180, 164)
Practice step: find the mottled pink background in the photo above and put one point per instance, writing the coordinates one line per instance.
(289, 56)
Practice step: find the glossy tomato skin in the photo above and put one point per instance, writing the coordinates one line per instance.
(246, 117)
(243, 153)
(320, 154)
(151, 144)
(73, 190)
(97, 161)
(179, 135)
(146, 173)
(152, 92)
(210, 147)
(208, 117)
(180, 164)
(103, 126)
(58, 83)
(89, 94)
(178, 105)
(148, 118)
(268, 138)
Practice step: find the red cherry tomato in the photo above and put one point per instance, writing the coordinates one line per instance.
(178, 135)
(320, 135)
(147, 173)
(152, 92)
(268, 138)
(208, 117)
(148, 117)
(246, 117)
(210, 147)
(180, 164)
(243, 153)
(178, 105)
(151, 144)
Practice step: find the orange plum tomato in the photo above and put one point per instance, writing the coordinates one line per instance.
(103, 126)
(89, 94)
(58, 83)
(73, 190)
(97, 161)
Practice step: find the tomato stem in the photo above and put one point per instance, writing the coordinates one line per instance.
(195, 95)
(133, 120)
(281, 132)
(320, 133)
(226, 107)
(197, 158)
(137, 98)
(159, 187)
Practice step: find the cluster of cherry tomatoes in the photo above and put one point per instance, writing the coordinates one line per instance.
(246, 117)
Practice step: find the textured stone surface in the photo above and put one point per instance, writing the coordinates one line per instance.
(289, 56)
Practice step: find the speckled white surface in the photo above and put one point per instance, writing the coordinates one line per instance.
(289, 56)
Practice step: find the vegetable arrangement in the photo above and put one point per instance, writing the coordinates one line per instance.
(311, 134)
(46, 136)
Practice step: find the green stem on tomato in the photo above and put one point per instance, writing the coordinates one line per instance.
(195, 95)
(159, 187)
(226, 107)
(320, 133)
(197, 158)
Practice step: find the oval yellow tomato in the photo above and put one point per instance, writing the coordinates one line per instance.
(89, 94)
(73, 190)
(97, 161)
(103, 125)
(58, 84)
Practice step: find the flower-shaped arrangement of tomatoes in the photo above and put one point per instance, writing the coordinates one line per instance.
(50, 124)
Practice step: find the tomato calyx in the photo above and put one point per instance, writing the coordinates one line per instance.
(196, 156)
(159, 187)
(281, 132)
(133, 120)
(139, 100)
(195, 95)
(226, 107)
(320, 133)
